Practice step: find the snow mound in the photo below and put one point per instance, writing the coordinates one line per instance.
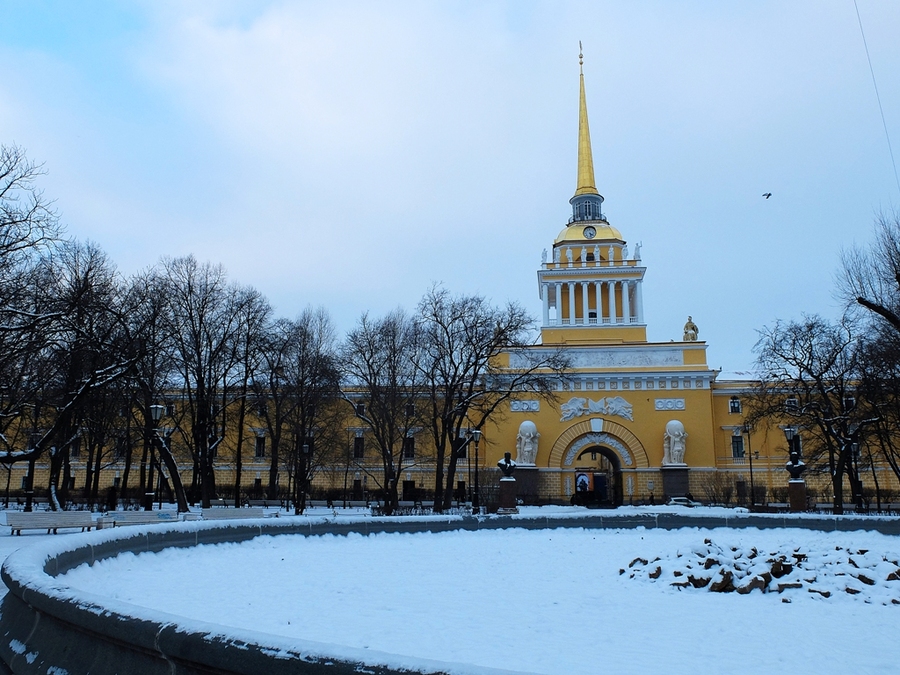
(792, 572)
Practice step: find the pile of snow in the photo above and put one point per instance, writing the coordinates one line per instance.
(863, 574)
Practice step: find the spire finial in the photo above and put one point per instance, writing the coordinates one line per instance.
(585, 160)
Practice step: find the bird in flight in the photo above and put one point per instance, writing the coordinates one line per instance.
(767, 194)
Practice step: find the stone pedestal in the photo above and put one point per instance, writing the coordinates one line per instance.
(675, 481)
(797, 495)
(508, 495)
(527, 480)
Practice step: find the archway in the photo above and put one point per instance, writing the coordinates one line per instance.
(598, 477)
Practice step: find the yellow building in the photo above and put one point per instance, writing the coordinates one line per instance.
(635, 421)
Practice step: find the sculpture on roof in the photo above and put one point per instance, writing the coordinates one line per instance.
(690, 331)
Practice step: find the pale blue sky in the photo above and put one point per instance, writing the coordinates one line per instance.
(350, 153)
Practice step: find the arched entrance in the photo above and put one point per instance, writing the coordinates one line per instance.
(598, 477)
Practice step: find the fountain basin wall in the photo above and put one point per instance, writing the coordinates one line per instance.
(44, 624)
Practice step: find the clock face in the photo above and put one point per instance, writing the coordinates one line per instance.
(590, 232)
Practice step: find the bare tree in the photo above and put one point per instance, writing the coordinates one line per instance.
(475, 357)
(870, 277)
(254, 313)
(383, 382)
(808, 378)
(203, 323)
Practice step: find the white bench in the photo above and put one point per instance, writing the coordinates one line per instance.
(232, 514)
(120, 518)
(48, 520)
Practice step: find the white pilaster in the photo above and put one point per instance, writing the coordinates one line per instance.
(584, 302)
(558, 302)
(626, 302)
(611, 290)
(639, 300)
(571, 303)
(545, 296)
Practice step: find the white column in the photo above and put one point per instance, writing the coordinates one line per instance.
(639, 301)
(545, 296)
(571, 303)
(558, 303)
(611, 291)
(626, 302)
(599, 299)
(584, 303)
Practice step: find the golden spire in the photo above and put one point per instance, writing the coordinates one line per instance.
(585, 185)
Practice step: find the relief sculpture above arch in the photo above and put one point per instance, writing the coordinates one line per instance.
(612, 405)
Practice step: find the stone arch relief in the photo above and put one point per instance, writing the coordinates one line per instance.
(598, 439)
(598, 431)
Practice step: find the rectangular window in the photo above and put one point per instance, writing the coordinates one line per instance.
(359, 447)
(120, 448)
(792, 405)
(737, 447)
(409, 448)
(75, 448)
(260, 446)
(460, 447)
(734, 405)
(170, 410)
(360, 409)
(117, 482)
(24, 483)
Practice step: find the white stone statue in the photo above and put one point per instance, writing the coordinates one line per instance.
(596, 253)
(616, 405)
(527, 443)
(583, 255)
(613, 405)
(625, 252)
(544, 256)
(556, 255)
(569, 255)
(637, 251)
(574, 407)
(690, 331)
(674, 441)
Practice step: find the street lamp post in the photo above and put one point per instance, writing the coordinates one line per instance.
(854, 456)
(300, 481)
(746, 430)
(738, 432)
(476, 501)
(795, 467)
(29, 486)
(156, 413)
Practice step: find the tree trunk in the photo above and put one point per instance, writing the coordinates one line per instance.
(174, 476)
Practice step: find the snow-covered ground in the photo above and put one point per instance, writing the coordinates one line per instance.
(550, 601)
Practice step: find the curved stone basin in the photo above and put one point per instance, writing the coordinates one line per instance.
(46, 624)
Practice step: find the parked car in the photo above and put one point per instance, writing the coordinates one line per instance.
(682, 501)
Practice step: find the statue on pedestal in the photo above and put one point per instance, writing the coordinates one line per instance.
(527, 443)
(674, 442)
(507, 466)
(690, 331)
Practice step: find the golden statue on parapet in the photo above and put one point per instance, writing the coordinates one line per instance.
(690, 331)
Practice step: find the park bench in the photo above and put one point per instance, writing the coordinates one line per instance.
(217, 502)
(48, 520)
(265, 503)
(232, 514)
(121, 518)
